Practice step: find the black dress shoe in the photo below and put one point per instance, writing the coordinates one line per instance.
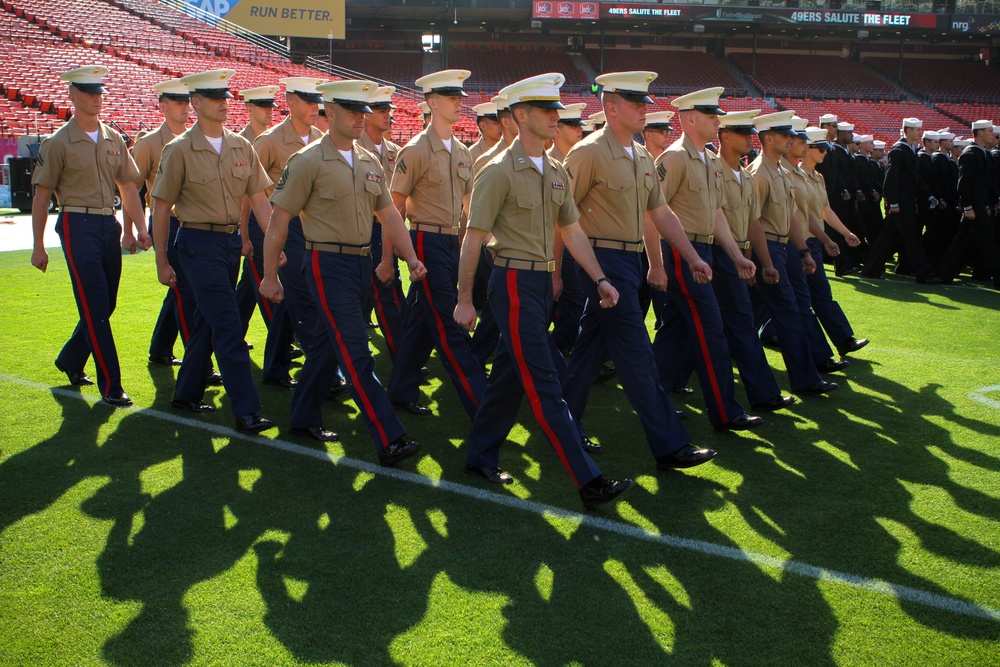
(371, 325)
(607, 372)
(683, 391)
(602, 490)
(193, 406)
(590, 446)
(295, 353)
(424, 371)
(743, 422)
(848, 270)
(317, 433)
(287, 383)
(771, 342)
(413, 408)
(776, 403)
(852, 344)
(687, 456)
(75, 379)
(681, 414)
(831, 366)
(249, 346)
(495, 475)
(338, 390)
(253, 423)
(818, 388)
(929, 279)
(169, 360)
(119, 400)
(213, 379)
(396, 452)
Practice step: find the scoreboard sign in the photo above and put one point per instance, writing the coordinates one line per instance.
(296, 18)
(574, 9)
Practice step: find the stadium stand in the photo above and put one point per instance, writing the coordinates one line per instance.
(400, 67)
(494, 66)
(945, 80)
(883, 119)
(967, 113)
(680, 71)
(800, 76)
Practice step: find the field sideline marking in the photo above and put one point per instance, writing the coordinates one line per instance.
(900, 592)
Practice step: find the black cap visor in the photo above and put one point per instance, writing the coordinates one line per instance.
(448, 91)
(825, 145)
(637, 96)
(666, 127)
(312, 98)
(266, 103)
(90, 88)
(783, 129)
(545, 104)
(214, 93)
(740, 129)
(710, 109)
(176, 97)
(353, 105)
(572, 122)
(381, 106)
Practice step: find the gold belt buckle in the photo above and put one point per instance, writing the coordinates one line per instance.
(550, 266)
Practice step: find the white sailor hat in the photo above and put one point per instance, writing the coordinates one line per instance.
(931, 136)
(799, 126)
(996, 130)
(659, 120)
(779, 122)
(352, 94)
(573, 114)
(598, 118)
(304, 87)
(381, 97)
(856, 139)
(260, 97)
(89, 79)
(633, 86)
(845, 127)
(213, 84)
(173, 89)
(945, 134)
(828, 119)
(425, 108)
(865, 138)
(740, 122)
(705, 101)
(486, 110)
(501, 102)
(913, 122)
(878, 145)
(982, 125)
(816, 137)
(447, 82)
(540, 91)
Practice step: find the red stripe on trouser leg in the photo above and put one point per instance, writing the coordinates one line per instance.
(702, 342)
(459, 371)
(366, 403)
(380, 314)
(526, 379)
(94, 344)
(256, 280)
(185, 332)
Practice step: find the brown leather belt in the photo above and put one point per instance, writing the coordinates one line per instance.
(777, 238)
(212, 227)
(611, 244)
(524, 264)
(700, 238)
(88, 210)
(342, 248)
(433, 229)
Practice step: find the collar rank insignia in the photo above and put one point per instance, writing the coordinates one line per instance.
(558, 185)
(465, 165)
(372, 176)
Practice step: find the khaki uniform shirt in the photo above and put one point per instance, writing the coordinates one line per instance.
(146, 152)
(557, 154)
(204, 186)
(482, 160)
(691, 187)
(741, 202)
(248, 133)
(433, 180)
(387, 157)
(612, 191)
(819, 200)
(521, 206)
(478, 148)
(277, 144)
(81, 172)
(335, 201)
(775, 193)
(801, 194)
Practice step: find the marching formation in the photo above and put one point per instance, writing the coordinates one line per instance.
(541, 247)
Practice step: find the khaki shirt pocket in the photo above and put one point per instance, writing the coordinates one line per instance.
(465, 173)
(529, 200)
(242, 172)
(74, 161)
(337, 191)
(203, 177)
(558, 196)
(619, 184)
(373, 187)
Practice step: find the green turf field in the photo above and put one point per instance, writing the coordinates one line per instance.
(858, 529)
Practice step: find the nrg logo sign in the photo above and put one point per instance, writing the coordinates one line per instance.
(960, 26)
